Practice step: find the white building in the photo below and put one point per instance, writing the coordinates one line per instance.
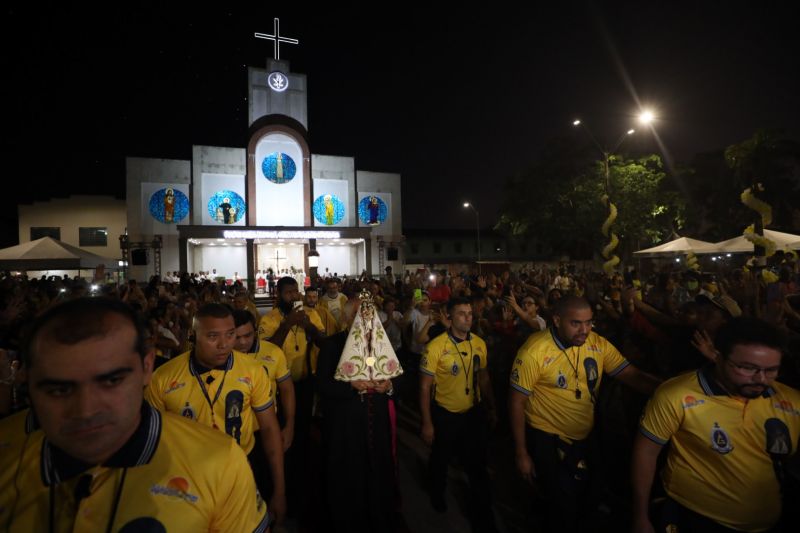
(241, 210)
(93, 223)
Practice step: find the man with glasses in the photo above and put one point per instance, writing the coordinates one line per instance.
(554, 385)
(731, 429)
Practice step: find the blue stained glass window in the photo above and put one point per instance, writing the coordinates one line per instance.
(328, 209)
(169, 205)
(278, 168)
(372, 210)
(226, 207)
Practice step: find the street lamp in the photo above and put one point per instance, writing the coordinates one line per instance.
(477, 230)
(608, 251)
(607, 153)
(646, 116)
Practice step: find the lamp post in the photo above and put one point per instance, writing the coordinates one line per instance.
(477, 230)
(612, 260)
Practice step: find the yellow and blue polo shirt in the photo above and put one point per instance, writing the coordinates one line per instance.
(450, 363)
(273, 359)
(549, 373)
(329, 323)
(335, 306)
(294, 346)
(237, 389)
(724, 451)
(171, 475)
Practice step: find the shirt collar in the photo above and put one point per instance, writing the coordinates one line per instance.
(196, 368)
(561, 345)
(31, 422)
(711, 387)
(455, 339)
(57, 465)
(255, 346)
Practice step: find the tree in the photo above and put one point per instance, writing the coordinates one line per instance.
(559, 203)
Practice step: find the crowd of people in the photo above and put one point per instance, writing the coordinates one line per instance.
(108, 387)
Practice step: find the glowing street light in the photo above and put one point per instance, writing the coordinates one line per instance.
(646, 117)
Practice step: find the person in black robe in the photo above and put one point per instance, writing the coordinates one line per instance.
(359, 447)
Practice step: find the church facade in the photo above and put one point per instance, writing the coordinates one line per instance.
(272, 205)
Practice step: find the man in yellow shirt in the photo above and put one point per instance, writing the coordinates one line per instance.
(329, 323)
(457, 412)
(225, 390)
(731, 430)
(555, 380)
(102, 458)
(334, 302)
(295, 329)
(274, 361)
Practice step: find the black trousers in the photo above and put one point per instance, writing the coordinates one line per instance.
(676, 517)
(562, 476)
(465, 436)
(297, 457)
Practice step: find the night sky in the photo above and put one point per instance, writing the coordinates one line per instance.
(455, 102)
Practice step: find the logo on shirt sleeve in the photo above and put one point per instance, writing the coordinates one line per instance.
(720, 441)
(515, 375)
(690, 401)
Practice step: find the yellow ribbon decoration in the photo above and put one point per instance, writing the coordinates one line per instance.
(691, 262)
(763, 208)
(768, 276)
(768, 245)
(612, 260)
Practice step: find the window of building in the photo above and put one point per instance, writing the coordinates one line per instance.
(92, 237)
(437, 247)
(457, 246)
(38, 233)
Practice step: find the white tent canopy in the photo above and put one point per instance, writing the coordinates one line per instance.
(49, 254)
(741, 245)
(681, 245)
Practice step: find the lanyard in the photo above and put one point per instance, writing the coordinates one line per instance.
(216, 396)
(574, 367)
(465, 367)
(114, 505)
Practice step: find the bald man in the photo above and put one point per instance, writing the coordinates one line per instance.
(555, 381)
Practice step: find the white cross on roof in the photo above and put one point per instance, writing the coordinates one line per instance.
(277, 38)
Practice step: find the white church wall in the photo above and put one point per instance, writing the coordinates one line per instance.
(215, 162)
(228, 260)
(279, 204)
(383, 227)
(264, 101)
(155, 223)
(141, 172)
(219, 186)
(336, 259)
(338, 189)
(386, 186)
(331, 168)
